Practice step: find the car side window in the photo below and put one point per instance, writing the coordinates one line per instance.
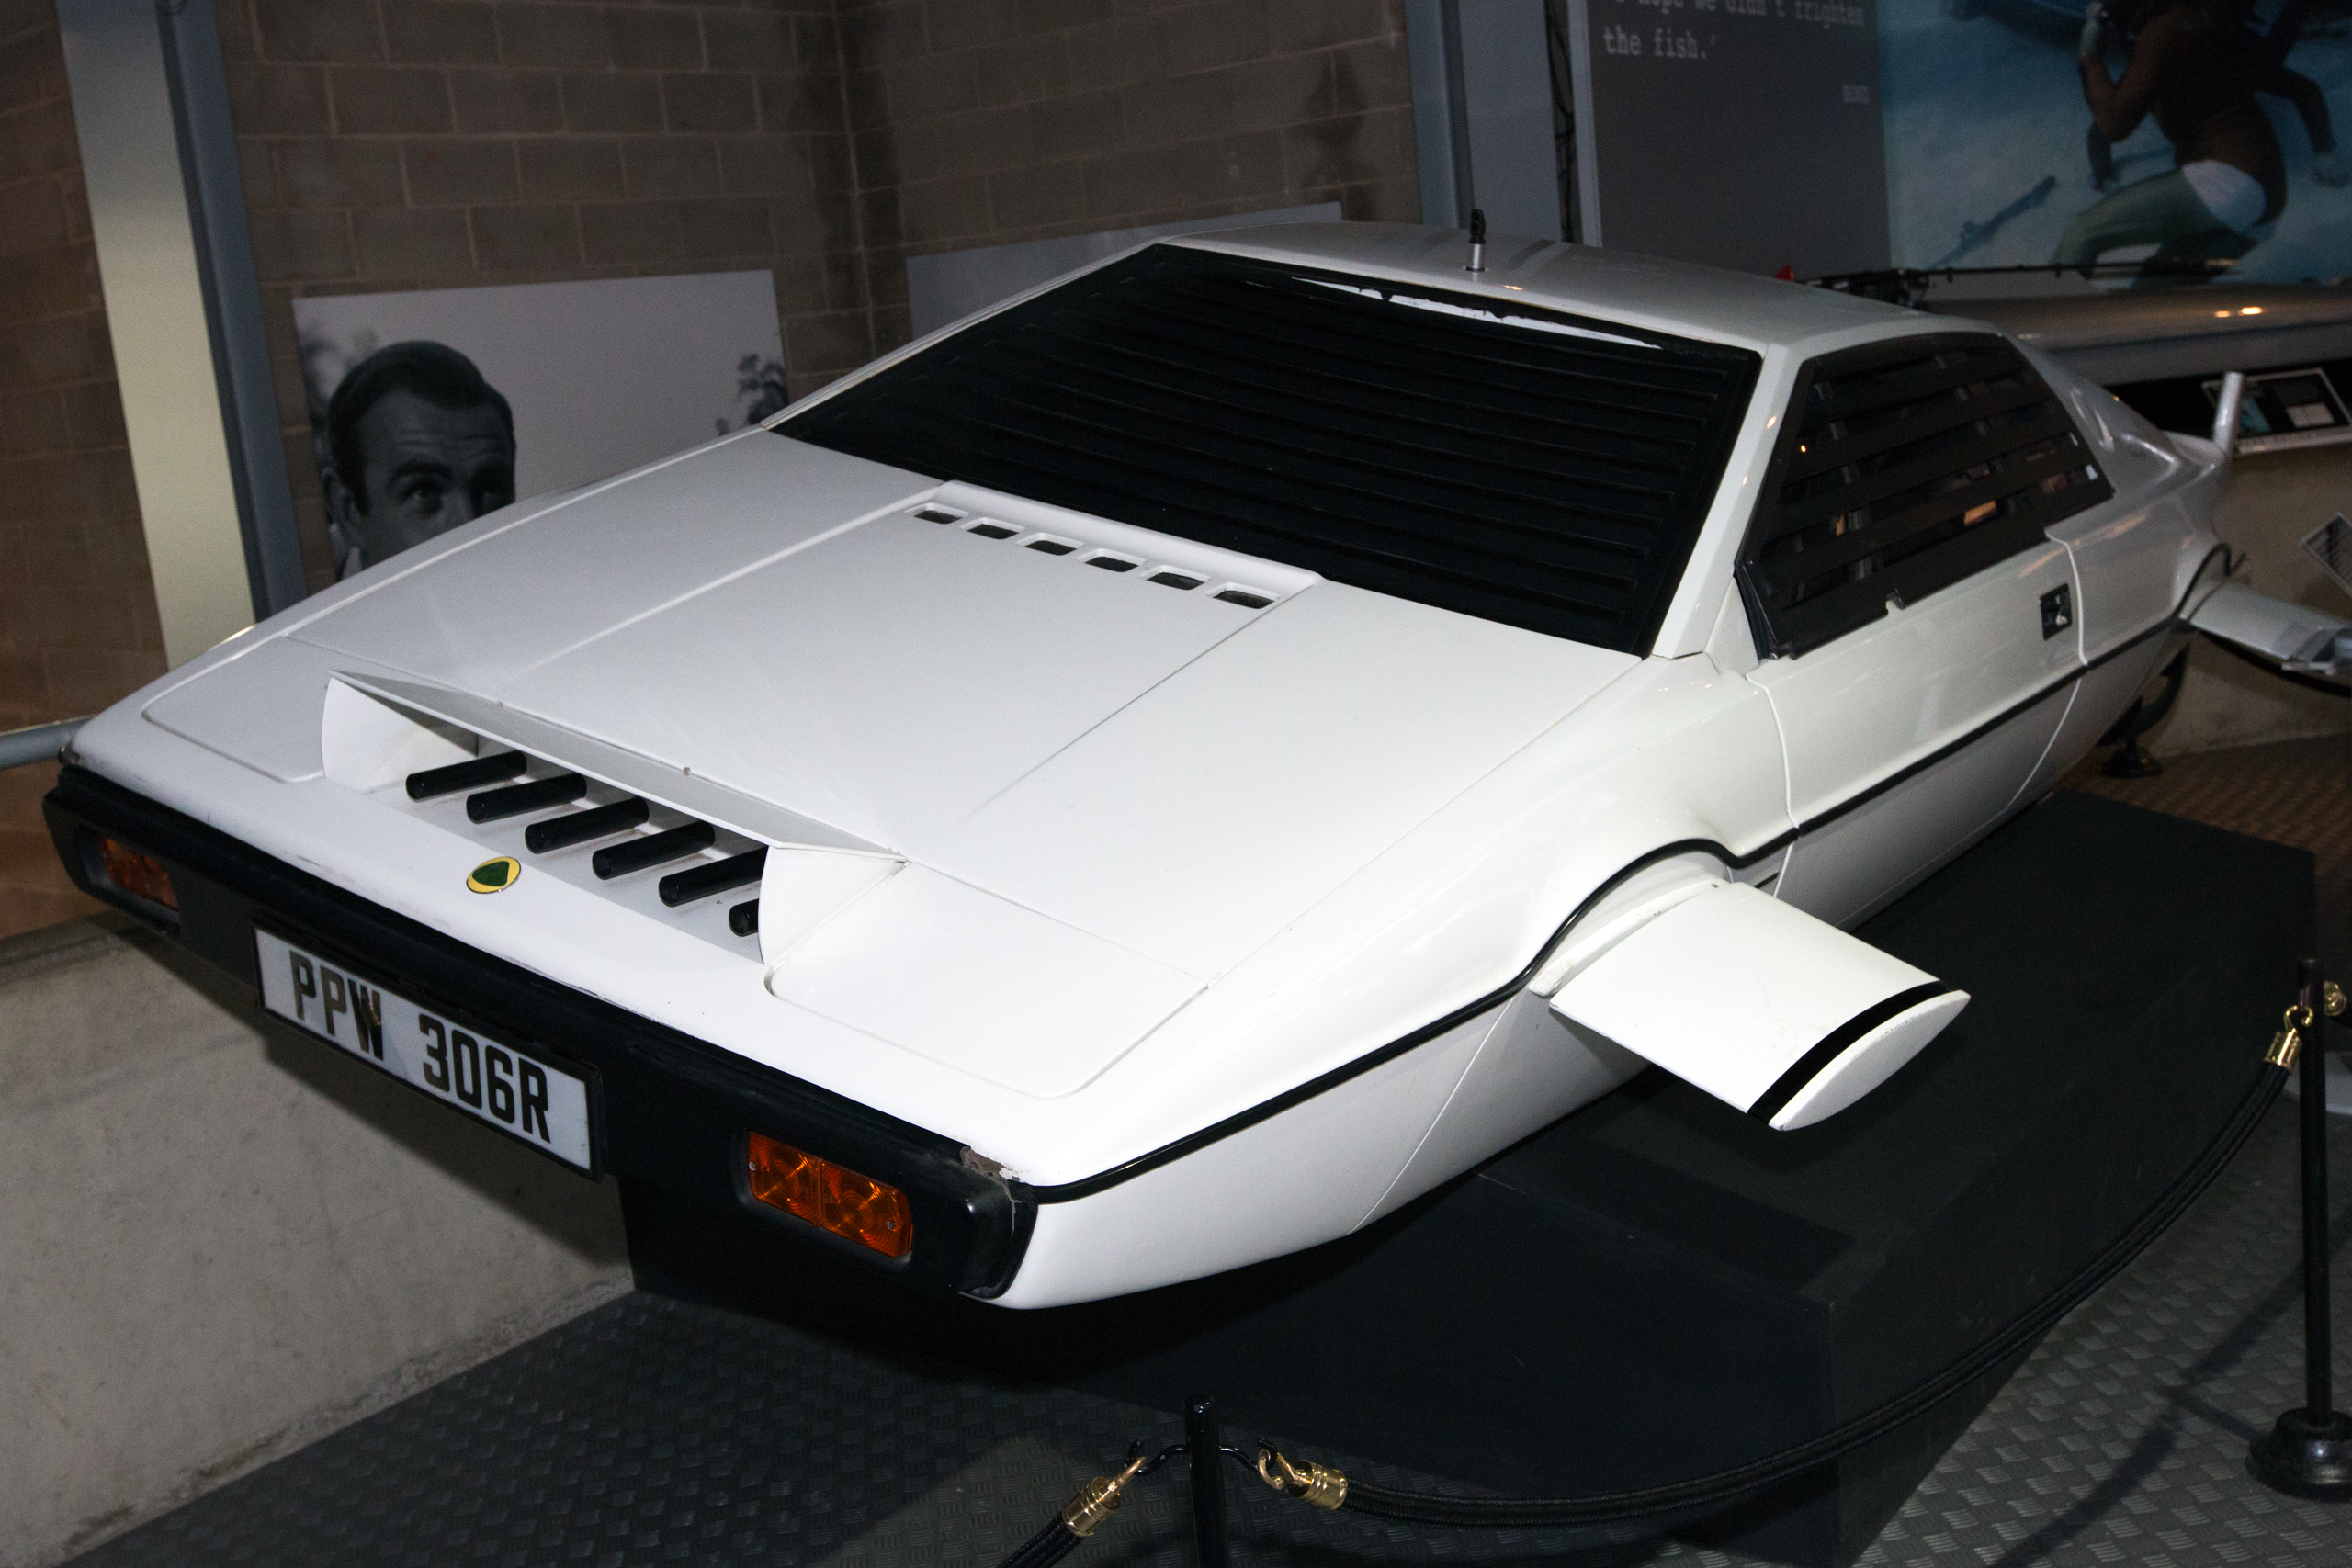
(1902, 468)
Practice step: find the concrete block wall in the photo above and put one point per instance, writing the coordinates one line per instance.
(436, 144)
(401, 144)
(77, 613)
(397, 145)
(220, 1239)
(977, 122)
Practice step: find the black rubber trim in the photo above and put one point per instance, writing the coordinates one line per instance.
(1191, 1143)
(1022, 1195)
(1920, 765)
(672, 1108)
(1836, 1044)
(1088, 1185)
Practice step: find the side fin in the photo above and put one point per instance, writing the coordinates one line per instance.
(1767, 1009)
(2293, 634)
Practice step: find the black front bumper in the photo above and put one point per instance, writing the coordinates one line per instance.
(667, 1107)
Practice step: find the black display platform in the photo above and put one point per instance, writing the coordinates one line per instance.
(1656, 1288)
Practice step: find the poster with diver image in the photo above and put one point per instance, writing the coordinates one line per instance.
(2152, 138)
(432, 407)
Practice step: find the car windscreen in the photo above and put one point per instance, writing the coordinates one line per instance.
(1525, 465)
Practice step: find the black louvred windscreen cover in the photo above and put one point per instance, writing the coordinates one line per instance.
(1535, 469)
(1907, 466)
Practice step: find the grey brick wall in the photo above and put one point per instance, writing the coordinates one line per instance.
(77, 608)
(978, 122)
(394, 144)
(424, 143)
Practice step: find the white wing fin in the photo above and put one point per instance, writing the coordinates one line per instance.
(1764, 1007)
(2293, 634)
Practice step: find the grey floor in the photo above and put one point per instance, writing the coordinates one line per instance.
(651, 1431)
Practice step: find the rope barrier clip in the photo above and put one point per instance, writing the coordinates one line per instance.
(1317, 1483)
(2332, 997)
(1098, 1500)
(2287, 1043)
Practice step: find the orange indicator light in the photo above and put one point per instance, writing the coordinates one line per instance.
(830, 1197)
(141, 876)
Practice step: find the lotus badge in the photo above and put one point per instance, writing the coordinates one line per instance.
(491, 875)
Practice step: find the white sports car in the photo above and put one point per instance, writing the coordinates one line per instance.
(1169, 769)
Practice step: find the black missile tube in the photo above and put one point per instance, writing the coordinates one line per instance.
(435, 782)
(579, 826)
(636, 854)
(514, 799)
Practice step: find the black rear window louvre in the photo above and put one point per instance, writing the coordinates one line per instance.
(1905, 467)
(1550, 475)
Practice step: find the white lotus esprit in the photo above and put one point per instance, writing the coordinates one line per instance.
(1165, 772)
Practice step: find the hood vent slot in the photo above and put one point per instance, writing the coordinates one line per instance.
(1091, 553)
(1906, 467)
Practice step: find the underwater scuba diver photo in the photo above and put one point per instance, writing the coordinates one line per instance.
(2187, 138)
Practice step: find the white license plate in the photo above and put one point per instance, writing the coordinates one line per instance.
(511, 1089)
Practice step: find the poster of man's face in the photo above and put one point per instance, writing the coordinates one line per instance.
(417, 442)
(2155, 141)
(434, 408)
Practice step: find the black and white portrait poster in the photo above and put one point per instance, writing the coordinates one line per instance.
(429, 409)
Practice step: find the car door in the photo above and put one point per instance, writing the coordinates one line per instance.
(1918, 622)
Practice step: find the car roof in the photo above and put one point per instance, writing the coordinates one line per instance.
(1731, 308)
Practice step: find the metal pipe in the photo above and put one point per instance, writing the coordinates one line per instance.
(1201, 1443)
(232, 308)
(2319, 1349)
(2225, 411)
(40, 743)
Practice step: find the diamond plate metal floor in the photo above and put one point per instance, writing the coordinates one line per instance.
(652, 1431)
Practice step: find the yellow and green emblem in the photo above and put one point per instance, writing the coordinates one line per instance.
(493, 876)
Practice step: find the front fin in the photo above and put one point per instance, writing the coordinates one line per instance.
(1774, 1012)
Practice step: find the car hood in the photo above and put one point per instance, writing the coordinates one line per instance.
(1174, 773)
